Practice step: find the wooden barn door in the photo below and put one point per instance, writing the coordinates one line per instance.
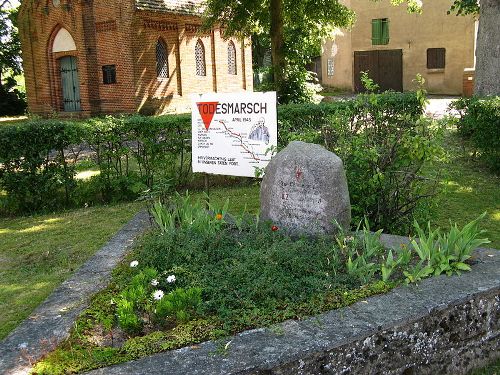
(365, 61)
(385, 67)
(70, 84)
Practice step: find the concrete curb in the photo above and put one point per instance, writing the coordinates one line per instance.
(51, 322)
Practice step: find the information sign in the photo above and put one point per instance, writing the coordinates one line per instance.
(233, 134)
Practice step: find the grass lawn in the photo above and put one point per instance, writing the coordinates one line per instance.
(12, 120)
(240, 198)
(469, 189)
(37, 253)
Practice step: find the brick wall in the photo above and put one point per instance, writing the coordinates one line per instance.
(39, 23)
(114, 33)
(181, 34)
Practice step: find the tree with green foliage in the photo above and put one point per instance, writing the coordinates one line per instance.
(295, 28)
(10, 46)
(11, 100)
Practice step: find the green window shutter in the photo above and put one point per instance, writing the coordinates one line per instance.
(380, 31)
(376, 31)
(385, 31)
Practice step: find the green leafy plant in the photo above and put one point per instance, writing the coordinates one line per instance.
(389, 265)
(127, 317)
(36, 175)
(142, 301)
(444, 253)
(368, 83)
(132, 154)
(479, 123)
(461, 243)
(362, 250)
(179, 304)
(183, 212)
(417, 272)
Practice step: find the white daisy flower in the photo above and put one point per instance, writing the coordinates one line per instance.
(171, 279)
(158, 295)
(154, 282)
(134, 264)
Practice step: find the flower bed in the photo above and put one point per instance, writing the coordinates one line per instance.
(202, 276)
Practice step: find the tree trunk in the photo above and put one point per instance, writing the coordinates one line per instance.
(487, 81)
(277, 53)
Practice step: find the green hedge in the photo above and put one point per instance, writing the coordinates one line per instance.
(381, 138)
(313, 122)
(133, 152)
(480, 123)
(37, 166)
(34, 170)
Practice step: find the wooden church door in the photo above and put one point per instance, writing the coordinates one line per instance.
(70, 84)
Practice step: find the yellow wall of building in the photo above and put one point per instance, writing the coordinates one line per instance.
(413, 34)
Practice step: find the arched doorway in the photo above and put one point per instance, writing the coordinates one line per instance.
(66, 78)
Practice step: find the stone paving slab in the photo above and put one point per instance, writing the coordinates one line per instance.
(50, 323)
(299, 343)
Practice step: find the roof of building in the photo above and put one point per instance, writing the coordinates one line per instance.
(173, 6)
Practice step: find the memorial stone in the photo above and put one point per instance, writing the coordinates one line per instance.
(304, 191)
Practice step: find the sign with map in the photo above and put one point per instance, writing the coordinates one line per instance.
(233, 134)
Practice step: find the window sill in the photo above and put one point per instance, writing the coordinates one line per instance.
(434, 71)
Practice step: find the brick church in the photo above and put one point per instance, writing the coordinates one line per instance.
(88, 57)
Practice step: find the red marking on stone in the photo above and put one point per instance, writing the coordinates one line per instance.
(207, 112)
(298, 174)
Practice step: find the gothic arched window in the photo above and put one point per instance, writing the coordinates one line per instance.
(199, 55)
(161, 59)
(231, 58)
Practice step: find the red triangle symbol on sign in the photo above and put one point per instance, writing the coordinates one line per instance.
(207, 111)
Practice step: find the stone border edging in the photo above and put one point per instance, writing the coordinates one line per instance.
(442, 325)
(51, 322)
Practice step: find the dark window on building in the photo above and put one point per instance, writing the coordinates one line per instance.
(108, 74)
(436, 58)
(380, 31)
(231, 58)
(161, 60)
(199, 54)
